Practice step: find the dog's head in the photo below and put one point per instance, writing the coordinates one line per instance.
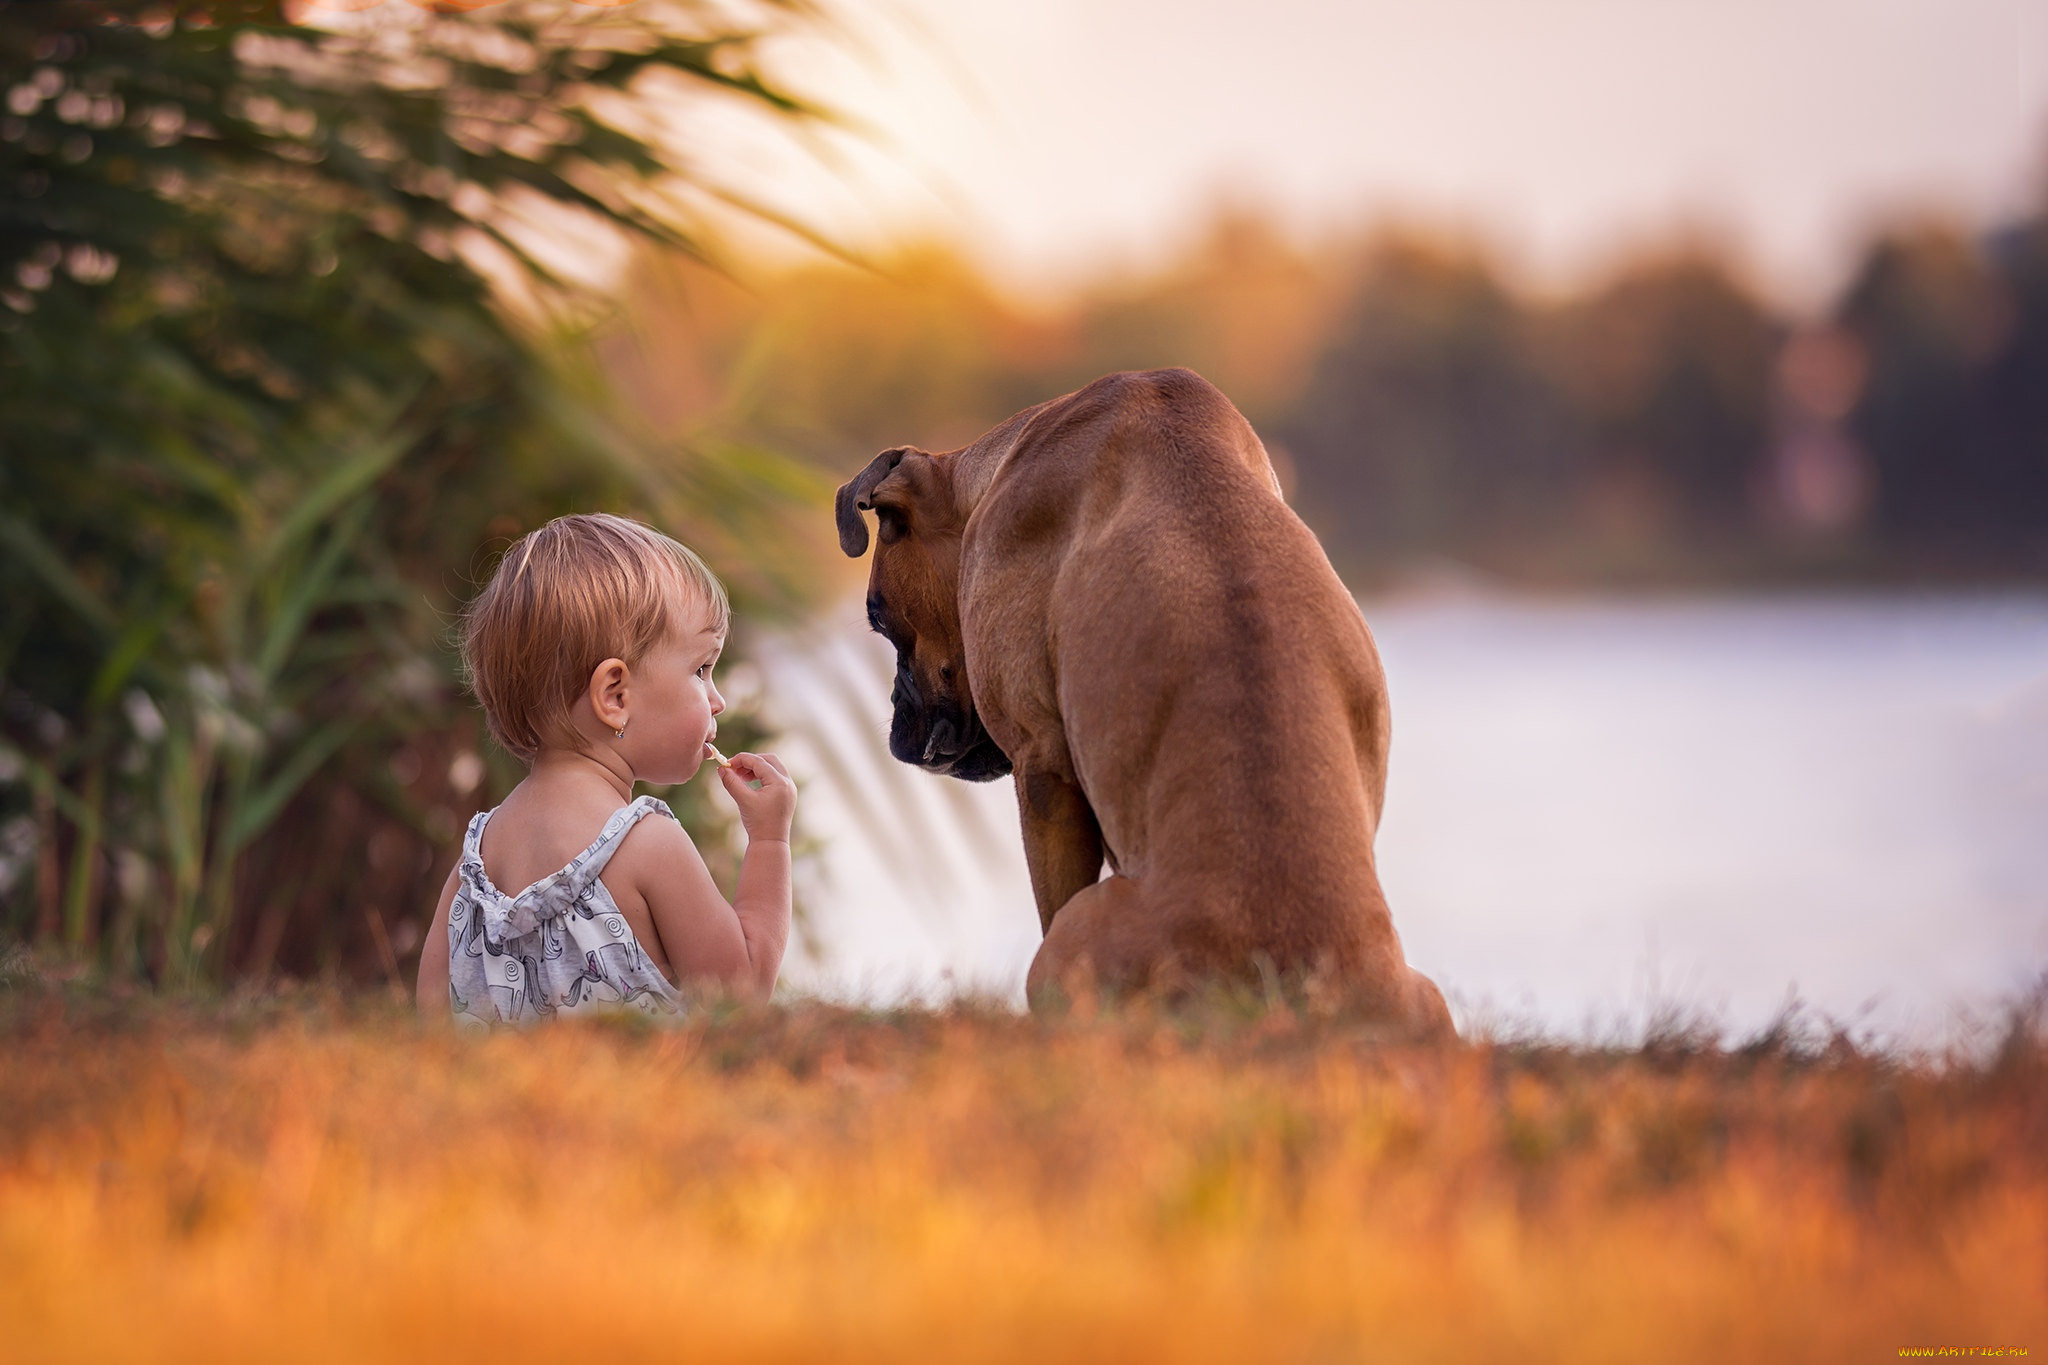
(914, 602)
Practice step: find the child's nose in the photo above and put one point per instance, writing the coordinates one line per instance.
(717, 701)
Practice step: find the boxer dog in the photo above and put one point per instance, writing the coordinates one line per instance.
(1107, 596)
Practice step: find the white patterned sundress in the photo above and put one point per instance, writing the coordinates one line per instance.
(559, 947)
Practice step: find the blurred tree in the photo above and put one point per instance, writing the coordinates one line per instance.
(1955, 411)
(832, 361)
(1663, 424)
(840, 363)
(1245, 308)
(926, 353)
(1427, 426)
(260, 393)
(1447, 416)
(1669, 369)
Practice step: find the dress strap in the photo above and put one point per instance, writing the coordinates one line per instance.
(591, 861)
(510, 917)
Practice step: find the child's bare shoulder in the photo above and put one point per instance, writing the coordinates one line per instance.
(654, 850)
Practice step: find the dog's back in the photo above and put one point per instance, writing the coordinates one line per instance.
(1217, 690)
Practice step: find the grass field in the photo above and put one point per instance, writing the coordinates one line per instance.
(316, 1178)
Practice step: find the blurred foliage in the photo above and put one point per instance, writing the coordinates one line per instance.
(286, 341)
(1663, 424)
(836, 361)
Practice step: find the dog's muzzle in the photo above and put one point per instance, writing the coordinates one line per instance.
(942, 737)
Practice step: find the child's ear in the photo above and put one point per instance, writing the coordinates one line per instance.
(608, 687)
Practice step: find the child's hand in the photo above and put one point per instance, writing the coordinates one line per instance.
(765, 811)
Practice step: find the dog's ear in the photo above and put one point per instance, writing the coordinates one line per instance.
(855, 497)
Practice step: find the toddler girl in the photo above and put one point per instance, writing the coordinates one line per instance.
(591, 649)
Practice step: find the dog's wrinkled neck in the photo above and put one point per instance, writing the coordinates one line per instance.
(972, 468)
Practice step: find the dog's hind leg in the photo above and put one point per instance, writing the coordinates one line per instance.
(1429, 1018)
(1103, 939)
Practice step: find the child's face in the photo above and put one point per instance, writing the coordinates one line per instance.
(674, 714)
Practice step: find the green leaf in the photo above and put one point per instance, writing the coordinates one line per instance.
(127, 655)
(42, 559)
(304, 595)
(261, 807)
(47, 783)
(344, 481)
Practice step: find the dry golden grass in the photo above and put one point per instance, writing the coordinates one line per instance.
(299, 1180)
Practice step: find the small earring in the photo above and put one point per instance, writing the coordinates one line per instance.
(620, 732)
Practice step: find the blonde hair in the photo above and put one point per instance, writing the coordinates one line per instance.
(562, 600)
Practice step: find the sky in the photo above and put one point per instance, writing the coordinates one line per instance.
(1062, 139)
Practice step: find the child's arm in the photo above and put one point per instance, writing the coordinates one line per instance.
(431, 992)
(737, 945)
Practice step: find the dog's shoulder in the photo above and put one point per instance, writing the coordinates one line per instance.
(1132, 421)
(1175, 399)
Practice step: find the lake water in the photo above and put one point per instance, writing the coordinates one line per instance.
(1596, 808)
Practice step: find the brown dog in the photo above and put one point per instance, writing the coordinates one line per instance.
(1107, 594)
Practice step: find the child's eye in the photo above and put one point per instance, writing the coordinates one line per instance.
(705, 671)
